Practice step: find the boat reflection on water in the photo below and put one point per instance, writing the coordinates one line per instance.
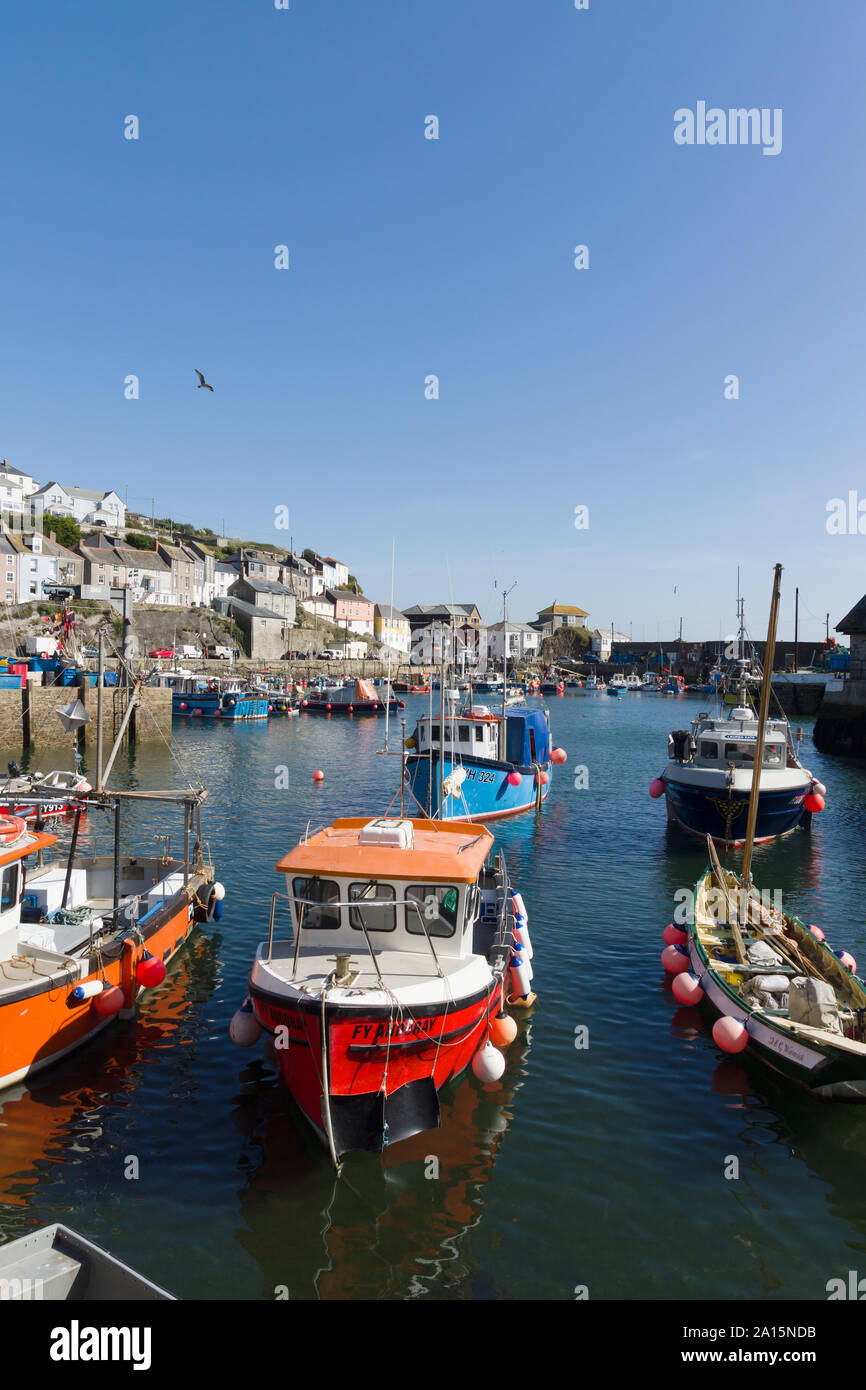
(315, 1236)
(62, 1116)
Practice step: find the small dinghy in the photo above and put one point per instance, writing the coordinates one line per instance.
(56, 1264)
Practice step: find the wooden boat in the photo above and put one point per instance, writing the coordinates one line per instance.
(403, 931)
(56, 1264)
(776, 986)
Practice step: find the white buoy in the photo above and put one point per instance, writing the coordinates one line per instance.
(519, 906)
(219, 892)
(520, 980)
(245, 1029)
(520, 957)
(521, 936)
(87, 990)
(488, 1064)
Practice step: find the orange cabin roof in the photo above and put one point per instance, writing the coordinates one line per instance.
(445, 851)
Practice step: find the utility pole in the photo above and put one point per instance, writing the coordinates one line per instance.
(796, 628)
(827, 627)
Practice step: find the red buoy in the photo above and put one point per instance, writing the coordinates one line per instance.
(814, 802)
(318, 776)
(150, 971)
(109, 1001)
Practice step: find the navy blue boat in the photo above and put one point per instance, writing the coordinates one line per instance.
(708, 779)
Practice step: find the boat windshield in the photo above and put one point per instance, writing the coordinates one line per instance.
(377, 912)
(437, 905)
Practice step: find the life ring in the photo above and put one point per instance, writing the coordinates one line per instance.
(204, 910)
(11, 828)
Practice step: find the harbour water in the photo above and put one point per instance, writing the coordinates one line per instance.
(601, 1167)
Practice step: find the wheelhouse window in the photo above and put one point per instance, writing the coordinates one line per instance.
(373, 911)
(774, 755)
(709, 750)
(317, 903)
(436, 909)
(463, 733)
(9, 887)
(740, 752)
(479, 733)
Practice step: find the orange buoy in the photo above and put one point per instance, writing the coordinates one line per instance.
(503, 1030)
(318, 776)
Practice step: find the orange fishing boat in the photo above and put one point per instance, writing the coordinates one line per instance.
(81, 936)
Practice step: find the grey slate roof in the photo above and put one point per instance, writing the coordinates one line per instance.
(855, 621)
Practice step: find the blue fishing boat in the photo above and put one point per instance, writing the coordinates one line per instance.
(198, 697)
(486, 766)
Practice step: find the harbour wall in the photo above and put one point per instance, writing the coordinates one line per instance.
(841, 724)
(28, 718)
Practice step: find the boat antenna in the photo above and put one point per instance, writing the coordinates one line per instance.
(759, 746)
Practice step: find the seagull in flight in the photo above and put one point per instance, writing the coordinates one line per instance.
(201, 381)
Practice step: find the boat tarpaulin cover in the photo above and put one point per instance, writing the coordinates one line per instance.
(364, 690)
(813, 1002)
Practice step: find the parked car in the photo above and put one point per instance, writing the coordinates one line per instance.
(162, 651)
(218, 653)
(90, 651)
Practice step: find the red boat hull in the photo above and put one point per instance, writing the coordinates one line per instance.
(373, 1055)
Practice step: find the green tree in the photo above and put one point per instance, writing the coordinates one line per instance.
(139, 541)
(65, 528)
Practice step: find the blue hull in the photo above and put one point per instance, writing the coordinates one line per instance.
(205, 705)
(486, 793)
(704, 814)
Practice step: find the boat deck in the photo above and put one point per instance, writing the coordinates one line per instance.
(411, 976)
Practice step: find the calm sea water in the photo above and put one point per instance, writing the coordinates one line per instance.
(602, 1167)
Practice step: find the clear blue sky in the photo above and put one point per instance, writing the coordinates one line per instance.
(558, 387)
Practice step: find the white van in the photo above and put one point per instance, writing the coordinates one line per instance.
(190, 652)
(221, 653)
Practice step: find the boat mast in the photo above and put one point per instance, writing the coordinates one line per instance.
(503, 726)
(388, 627)
(762, 720)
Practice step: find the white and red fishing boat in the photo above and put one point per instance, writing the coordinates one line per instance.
(56, 793)
(406, 939)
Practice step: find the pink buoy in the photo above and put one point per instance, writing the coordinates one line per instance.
(675, 959)
(558, 756)
(730, 1034)
(817, 933)
(544, 778)
(514, 779)
(818, 787)
(814, 802)
(318, 776)
(687, 988)
(657, 788)
(674, 935)
(196, 711)
(847, 960)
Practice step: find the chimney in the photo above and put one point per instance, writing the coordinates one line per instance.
(52, 536)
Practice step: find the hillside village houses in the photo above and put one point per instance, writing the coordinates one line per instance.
(523, 641)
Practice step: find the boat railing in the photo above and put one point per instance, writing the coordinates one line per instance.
(301, 903)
